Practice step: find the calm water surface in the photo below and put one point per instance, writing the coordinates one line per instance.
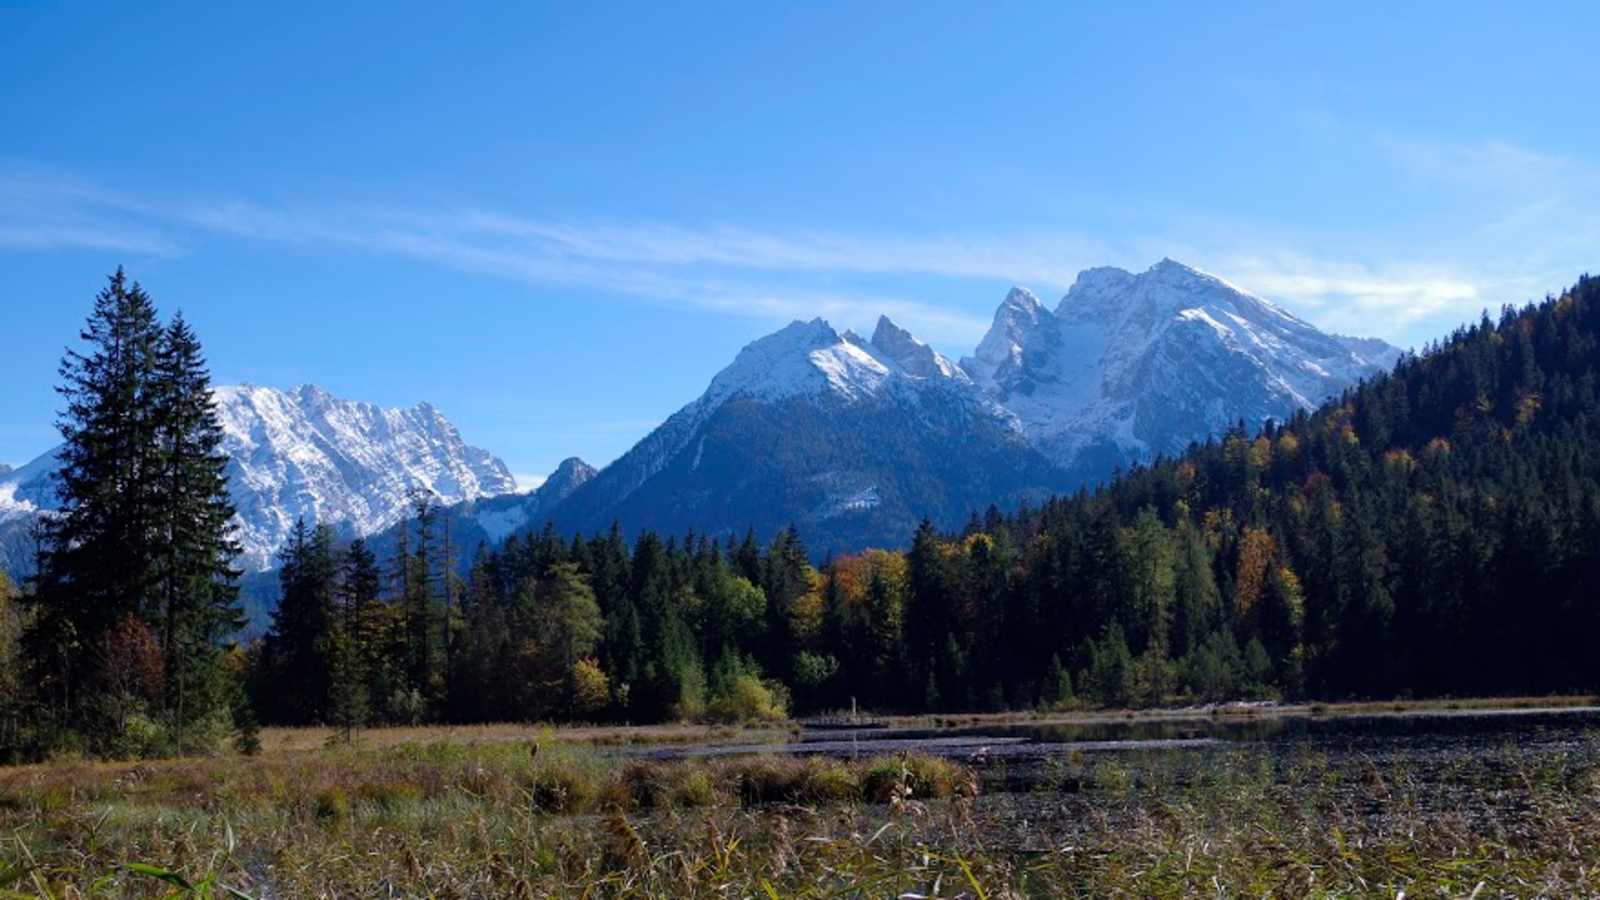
(1380, 735)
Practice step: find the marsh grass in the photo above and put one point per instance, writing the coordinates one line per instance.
(275, 740)
(494, 818)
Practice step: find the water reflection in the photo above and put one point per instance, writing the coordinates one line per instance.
(1380, 732)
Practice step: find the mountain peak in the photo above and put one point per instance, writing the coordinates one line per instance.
(887, 334)
(1138, 364)
(910, 354)
(1017, 322)
(800, 358)
(571, 466)
(1021, 299)
(1171, 271)
(568, 477)
(816, 332)
(1093, 289)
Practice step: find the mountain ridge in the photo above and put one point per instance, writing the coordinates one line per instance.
(303, 452)
(1126, 368)
(1132, 366)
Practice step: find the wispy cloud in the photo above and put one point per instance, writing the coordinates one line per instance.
(729, 270)
(42, 209)
(1351, 297)
(1050, 260)
(1491, 165)
(1530, 221)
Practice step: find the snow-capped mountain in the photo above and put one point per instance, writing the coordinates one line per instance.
(856, 440)
(305, 453)
(852, 440)
(1129, 366)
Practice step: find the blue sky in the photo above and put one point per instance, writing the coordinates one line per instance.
(557, 222)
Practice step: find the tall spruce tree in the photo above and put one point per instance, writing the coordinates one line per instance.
(362, 613)
(419, 603)
(198, 593)
(351, 640)
(295, 652)
(100, 561)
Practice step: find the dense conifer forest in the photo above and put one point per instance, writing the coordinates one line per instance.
(1435, 531)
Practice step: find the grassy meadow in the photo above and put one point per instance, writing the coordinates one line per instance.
(517, 812)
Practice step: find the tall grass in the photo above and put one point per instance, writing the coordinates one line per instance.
(497, 819)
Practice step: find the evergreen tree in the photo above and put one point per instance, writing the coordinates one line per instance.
(351, 640)
(142, 540)
(419, 601)
(101, 561)
(295, 653)
(198, 591)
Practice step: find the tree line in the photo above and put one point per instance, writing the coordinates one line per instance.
(1428, 533)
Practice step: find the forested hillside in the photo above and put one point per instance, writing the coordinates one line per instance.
(1429, 533)
(1435, 531)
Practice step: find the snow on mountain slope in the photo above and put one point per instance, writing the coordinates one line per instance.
(806, 358)
(1129, 366)
(499, 517)
(804, 361)
(304, 452)
(348, 464)
(852, 440)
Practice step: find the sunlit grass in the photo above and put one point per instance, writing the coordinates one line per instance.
(496, 818)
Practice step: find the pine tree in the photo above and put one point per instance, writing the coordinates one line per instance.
(100, 560)
(351, 641)
(419, 602)
(198, 589)
(295, 652)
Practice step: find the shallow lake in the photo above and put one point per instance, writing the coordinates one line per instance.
(1379, 734)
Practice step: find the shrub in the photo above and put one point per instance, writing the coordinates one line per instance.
(747, 699)
(389, 796)
(766, 779)
(694, 788)
(407, 707)
(642, 785)
(827, 780)
(591, 690)
(561, 788)
(928, 777)
(210, 734)
(333, 806)
(141, 738)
